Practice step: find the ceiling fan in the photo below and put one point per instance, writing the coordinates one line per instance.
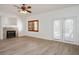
(24, 8)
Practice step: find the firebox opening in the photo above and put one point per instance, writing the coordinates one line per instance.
(11, 34)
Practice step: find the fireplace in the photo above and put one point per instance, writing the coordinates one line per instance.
(10, 34)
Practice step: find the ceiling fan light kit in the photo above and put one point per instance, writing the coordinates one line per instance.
(23, 12)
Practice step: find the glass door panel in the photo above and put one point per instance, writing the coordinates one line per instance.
(68, 29)
(57, 29)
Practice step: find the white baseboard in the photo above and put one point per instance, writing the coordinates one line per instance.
(64, 41)
(69, 42)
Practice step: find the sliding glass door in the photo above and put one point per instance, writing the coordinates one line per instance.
(57, 29)
(68, 29)
(64, 29)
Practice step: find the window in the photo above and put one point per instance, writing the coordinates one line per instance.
(33, 25)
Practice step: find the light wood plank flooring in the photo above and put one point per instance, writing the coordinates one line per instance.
(36, 46)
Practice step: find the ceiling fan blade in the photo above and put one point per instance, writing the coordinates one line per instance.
(28, 11)
(17, 6)
(29, 7)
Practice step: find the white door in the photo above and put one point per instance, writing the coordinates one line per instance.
(68, 29)
(64, 29)
(57, 34)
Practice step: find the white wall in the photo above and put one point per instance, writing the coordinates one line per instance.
(1, 33)
(21, 26)
(44, 26)
(0, 27)
(8, 21)
(46, 20)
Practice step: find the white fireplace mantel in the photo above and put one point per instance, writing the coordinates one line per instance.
(5, 29)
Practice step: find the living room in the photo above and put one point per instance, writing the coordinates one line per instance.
(43, 27)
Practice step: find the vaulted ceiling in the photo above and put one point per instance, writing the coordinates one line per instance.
(36, 8)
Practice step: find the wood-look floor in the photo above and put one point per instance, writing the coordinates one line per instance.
(36, 46)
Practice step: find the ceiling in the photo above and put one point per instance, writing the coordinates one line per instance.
(36, 8)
